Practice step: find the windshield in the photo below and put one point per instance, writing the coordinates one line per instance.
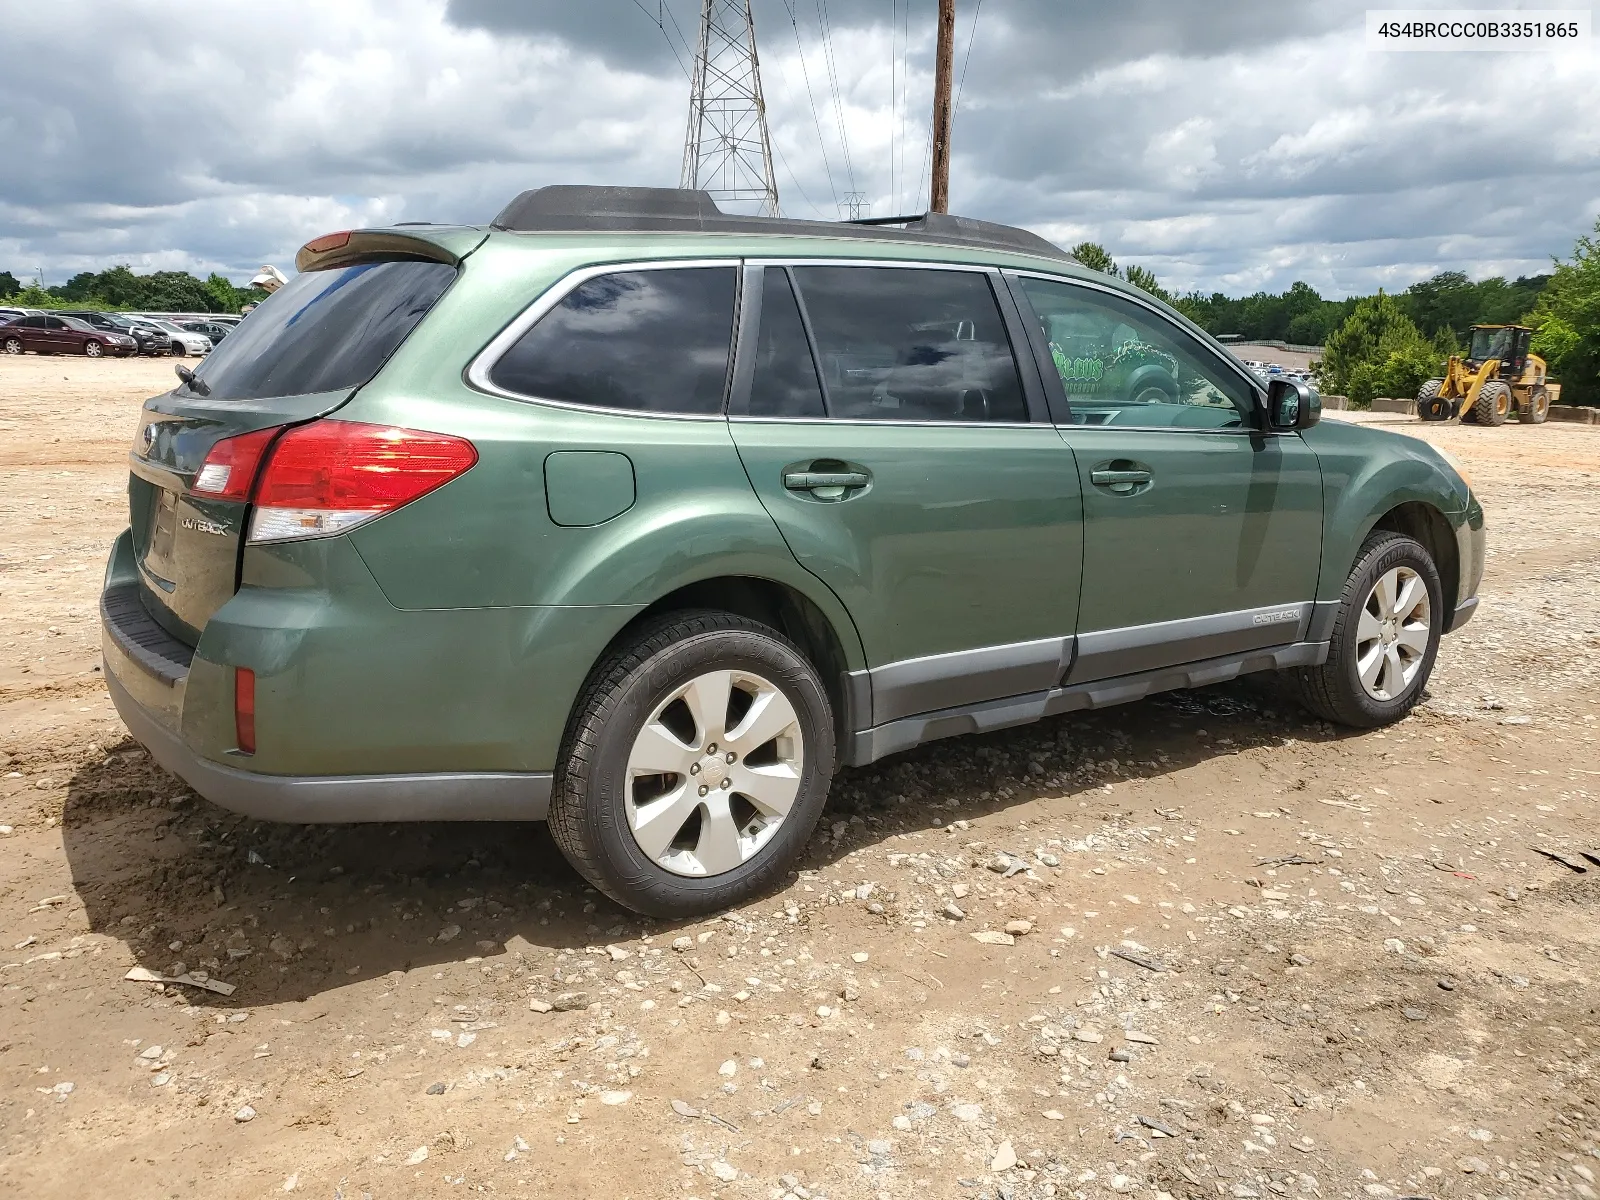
(324, 331)
(1491, 343)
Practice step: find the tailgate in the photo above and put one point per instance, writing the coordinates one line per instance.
(186, 545)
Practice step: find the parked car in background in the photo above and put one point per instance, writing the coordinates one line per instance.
(211, 329)
(46, 333)
(183, 341)
(11, 314)
(147, 338)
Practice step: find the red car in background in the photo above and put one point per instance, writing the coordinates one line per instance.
(46, 334)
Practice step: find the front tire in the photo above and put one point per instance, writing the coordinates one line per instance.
(175, 350)
(1494, 404)
(1384, 639)
(695, 766)
(92, 349)
(1430, 406)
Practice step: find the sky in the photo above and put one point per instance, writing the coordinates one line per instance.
(1232, 146)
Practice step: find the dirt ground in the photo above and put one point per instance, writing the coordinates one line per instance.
(1262, 956)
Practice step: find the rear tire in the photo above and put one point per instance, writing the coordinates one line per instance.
(1494, 404)
(1379, 657)
(1537, 410)
(686, 840)
(12, 346)
(1429, 405)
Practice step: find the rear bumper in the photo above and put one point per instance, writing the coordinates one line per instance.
(310, 799)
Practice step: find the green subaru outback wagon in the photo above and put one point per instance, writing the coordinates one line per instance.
(645, 518)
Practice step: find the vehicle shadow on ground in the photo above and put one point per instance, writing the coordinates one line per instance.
(287, 912)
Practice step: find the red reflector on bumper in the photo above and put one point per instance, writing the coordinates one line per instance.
(244, 709)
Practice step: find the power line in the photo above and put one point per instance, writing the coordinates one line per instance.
(894, 107)
(825, 26)
(795, 179)
(972, 36)
(816, 118)
(656, 21)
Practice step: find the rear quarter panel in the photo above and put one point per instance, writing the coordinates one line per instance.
(487, 538)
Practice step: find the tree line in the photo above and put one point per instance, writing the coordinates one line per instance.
(120, 288)
(1389, 344)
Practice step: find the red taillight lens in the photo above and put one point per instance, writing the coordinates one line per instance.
(331, 475)
(244, 709)
(230, 468)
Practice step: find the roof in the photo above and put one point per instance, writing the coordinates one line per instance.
(578, 207)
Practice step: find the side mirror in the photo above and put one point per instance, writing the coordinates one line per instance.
(1292, 405)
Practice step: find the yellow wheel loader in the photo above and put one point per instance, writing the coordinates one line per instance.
(1497, 376)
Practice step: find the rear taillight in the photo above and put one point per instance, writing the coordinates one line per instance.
(230, 468)
(244, 709)
(330, 476)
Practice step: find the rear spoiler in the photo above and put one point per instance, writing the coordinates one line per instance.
(447, 245)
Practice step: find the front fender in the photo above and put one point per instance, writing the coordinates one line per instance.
(1366, 473)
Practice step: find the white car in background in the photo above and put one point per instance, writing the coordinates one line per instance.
(183, 341)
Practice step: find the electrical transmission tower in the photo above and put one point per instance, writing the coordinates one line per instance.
(727, 150)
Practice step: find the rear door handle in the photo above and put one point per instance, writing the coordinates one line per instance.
(805, 481)
(1124, 478)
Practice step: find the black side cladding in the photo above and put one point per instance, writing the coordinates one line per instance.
(563, 207)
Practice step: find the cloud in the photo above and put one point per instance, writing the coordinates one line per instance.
(1229, 146)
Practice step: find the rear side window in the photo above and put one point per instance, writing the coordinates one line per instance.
(644, 341)
(784, 383)
(324, 331)
(904, 344)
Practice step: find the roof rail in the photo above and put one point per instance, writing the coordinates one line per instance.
(577, 207)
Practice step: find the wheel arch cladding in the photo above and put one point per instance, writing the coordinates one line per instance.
(779, 606)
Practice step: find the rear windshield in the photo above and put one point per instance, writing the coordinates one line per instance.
(324, 331)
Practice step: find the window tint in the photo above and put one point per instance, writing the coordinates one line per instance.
(785, 381)
(324, 331)
(54, 323)
(33, 322)
(649, 341)
(1122, 364)
(903, 344)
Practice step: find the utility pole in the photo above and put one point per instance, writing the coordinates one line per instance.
(727, 150)
(944, 67)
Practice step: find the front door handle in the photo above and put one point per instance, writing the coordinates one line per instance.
(805, 481)
(1109, 478)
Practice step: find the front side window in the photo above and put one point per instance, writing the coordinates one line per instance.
(909, 344)
(1121, 364)
(644, 341)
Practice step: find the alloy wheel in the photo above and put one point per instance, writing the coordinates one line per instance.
(1392, 633)
(13, 346)
(714, 772)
